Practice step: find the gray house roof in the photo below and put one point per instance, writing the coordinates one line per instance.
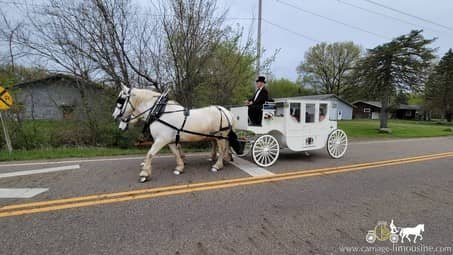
(325, 97)
(55, 77)
(379, 105)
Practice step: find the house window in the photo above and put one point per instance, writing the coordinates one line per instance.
(294, 110)
(408, 114)
(366, 109)
(310, 113)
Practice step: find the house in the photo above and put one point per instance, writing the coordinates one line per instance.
(372, 109)
(343, 107)
(61, 97)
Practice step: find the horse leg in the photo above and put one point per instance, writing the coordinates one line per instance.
(145, 174)
(227, 153)
(415, 238)
(214, 151)
(179, 161)
(181, 153)
(219, 163)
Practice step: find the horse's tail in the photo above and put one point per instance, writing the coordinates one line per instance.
(237, 146)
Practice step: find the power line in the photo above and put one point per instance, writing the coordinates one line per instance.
(291, 31)
(408, 14)
(332, 20)
(384, 15)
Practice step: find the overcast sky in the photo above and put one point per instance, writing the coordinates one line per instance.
(293, 44)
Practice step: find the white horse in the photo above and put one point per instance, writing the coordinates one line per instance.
(416, 231)
(214, 121)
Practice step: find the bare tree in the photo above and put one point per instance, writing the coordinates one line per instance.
(8, 32)
(93, 40)
(193, 30)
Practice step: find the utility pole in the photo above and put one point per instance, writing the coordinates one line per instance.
(258, 39)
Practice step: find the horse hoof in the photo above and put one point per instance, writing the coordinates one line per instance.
(214, 170)
(177, 172)
(142, 164)
(143, 179)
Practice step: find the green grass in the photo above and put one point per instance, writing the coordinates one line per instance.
(55, 153)
(400, 129)
(361, 129)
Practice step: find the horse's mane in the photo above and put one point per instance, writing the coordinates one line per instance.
(147, 94)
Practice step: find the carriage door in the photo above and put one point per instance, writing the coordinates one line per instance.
(309, 125)
(294, 126)
(301, 126)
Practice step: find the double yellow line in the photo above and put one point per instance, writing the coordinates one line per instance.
(108, 198)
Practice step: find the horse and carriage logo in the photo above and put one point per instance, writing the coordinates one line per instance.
(382, 232)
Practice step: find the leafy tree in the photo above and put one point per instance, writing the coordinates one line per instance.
(439, 89)
(228, 74)
(285, 88)
(399, 65)
(327, 67)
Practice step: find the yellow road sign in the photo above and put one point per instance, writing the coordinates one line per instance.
(6, 101)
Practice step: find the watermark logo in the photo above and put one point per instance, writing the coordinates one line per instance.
(383, 232)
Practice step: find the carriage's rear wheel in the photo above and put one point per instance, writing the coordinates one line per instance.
(265, 150)
(337, 143)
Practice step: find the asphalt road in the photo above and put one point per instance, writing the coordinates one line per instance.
(324, 211)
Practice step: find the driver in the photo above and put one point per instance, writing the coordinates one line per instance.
(256, 102)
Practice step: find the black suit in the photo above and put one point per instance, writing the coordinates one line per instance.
(256, 108)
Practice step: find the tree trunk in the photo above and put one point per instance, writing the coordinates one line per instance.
(384, 111)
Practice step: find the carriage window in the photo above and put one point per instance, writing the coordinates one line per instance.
(309, 113)
(322, 112)
(279, 109)
(294, 110)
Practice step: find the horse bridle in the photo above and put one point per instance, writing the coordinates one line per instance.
(121, 104)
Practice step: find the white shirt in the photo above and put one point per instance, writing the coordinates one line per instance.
(256, 94)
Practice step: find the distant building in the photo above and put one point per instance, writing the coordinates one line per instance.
(372, 110)
(59, 97)
(343, 107)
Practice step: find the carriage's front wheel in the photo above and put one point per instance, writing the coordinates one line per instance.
(337, 143)
(265, 150)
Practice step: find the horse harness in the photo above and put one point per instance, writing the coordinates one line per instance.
(158, 109)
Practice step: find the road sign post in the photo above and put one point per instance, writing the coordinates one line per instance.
(6, 101)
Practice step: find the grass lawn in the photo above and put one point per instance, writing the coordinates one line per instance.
(400, 129)
(360, 129)
(54, 153)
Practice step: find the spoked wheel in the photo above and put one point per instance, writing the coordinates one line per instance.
(337, 143)
(265, 150)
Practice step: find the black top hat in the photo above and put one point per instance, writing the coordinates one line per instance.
(261, 79)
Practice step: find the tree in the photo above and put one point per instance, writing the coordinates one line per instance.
(439, 88)
(228, 74)
(328, 66)
(8, 32)
(397, 66)
(285, 88)
(92, 40)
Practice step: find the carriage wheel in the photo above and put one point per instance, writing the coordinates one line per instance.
(337, 143)
(265, 150)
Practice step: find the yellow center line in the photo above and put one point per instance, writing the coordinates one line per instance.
(60, 204)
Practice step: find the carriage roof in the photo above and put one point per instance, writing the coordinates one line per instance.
(324, 97)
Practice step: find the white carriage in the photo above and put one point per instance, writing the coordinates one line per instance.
(294, 123)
